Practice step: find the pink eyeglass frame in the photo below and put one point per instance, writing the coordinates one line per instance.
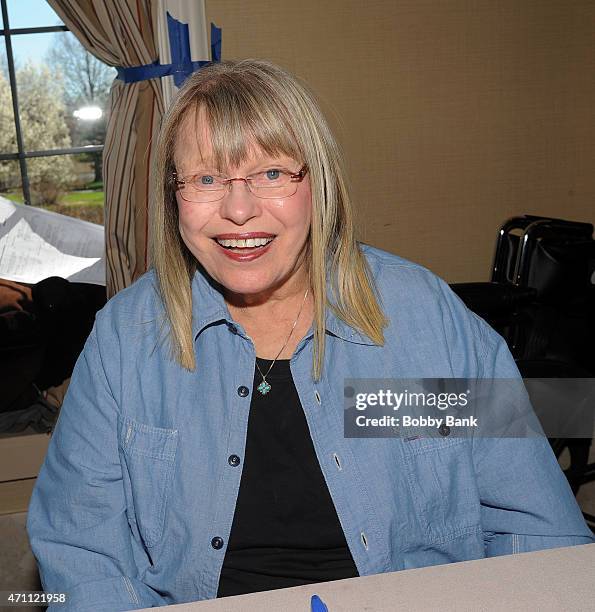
(297, 177)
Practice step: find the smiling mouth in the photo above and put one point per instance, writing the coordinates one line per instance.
(243, 245)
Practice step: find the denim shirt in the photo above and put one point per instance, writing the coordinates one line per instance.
(134, 504)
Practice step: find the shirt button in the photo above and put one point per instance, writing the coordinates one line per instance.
(444, 430)
(243, 391)
(233, 460)
(217, 542)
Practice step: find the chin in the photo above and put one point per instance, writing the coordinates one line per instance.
(244, 288)
(243, 283)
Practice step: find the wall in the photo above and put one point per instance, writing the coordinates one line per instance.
(453, 115)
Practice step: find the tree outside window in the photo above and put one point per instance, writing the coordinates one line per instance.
(62, 102)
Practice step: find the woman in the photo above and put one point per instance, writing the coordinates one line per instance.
(200, 450)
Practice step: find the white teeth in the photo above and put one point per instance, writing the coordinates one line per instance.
(249, 243)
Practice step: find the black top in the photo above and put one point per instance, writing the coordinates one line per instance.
(285, 529)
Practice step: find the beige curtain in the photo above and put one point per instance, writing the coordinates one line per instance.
(123, 33)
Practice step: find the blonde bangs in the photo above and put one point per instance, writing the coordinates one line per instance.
(240, 118)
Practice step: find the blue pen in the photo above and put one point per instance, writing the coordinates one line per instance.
(317, 605)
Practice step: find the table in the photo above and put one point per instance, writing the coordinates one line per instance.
(556, 579)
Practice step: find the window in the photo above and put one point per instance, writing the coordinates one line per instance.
(53, 102)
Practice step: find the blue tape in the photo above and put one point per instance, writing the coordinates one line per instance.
(143, 73)
(215, 43)
(181, 66)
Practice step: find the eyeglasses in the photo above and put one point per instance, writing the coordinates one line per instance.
(268, 184)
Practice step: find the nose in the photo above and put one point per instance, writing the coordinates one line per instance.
(239, 204)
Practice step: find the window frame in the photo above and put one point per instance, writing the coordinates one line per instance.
(22, 155)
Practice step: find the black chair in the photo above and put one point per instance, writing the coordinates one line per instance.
(541, 299)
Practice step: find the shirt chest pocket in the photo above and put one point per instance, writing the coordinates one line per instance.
(442, 482)
(148, 460)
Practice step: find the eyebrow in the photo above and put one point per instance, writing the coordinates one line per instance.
(209, 165)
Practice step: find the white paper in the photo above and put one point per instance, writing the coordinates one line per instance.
(37, 243)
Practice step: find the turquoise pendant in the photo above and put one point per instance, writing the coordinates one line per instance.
(264, 387)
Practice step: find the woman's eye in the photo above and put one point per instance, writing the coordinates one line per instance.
(273, 175)
(205, 179)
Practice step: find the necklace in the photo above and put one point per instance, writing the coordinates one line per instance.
(264, 387)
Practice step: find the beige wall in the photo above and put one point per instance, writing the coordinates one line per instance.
(454, 115)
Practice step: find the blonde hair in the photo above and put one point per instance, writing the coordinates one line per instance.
(253, 101)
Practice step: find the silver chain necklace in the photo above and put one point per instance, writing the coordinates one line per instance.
(264, 387)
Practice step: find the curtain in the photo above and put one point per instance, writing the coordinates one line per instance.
(123, 33)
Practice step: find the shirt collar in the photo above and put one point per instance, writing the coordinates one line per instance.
(339, 328)
(208, 307)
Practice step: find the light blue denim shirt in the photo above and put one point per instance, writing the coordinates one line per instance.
(137, 484)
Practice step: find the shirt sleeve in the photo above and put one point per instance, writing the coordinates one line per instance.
(526, 501)
(77, 522)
